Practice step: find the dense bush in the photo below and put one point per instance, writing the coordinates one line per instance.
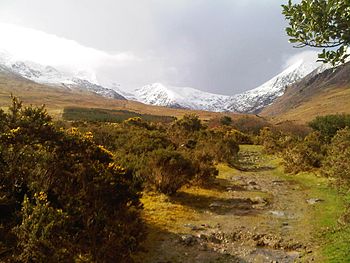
(270, 140)
(62, 195)
(168, 170)
(304, 155)
(337, 163)
(329, 125)
(226, 120)
(240, 137)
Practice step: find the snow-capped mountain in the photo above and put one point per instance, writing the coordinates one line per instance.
(180, 97)
(252, 101)
(51, 76)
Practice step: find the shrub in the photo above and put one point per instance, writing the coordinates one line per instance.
(168, 170)
(88, 205)
(205, 171)
(189, 123)
(240, 137)
(251, 124)
(270, 140)
(304, 155)
(226, 120)
(329, 125)
(337, 163)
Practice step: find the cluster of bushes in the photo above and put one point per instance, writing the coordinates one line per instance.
(63, 198)
(164, 157)
(326, 148)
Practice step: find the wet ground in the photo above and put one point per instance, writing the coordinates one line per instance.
(250, 214)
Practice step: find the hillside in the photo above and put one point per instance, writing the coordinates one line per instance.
(315, 95)
(58, 98)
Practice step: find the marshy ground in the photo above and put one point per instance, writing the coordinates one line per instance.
(252, 214)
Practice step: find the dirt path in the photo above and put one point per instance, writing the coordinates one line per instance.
(254, 214)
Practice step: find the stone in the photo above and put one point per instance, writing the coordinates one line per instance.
(278, 213)
(313, 201)
(188, 240)
(215, 205)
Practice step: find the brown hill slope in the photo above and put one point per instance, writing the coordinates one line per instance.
(325, 93)
(58, 98)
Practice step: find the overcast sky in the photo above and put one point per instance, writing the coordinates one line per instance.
(221, 46)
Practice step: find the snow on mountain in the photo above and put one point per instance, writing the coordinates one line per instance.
(252, 101)
(180, 97)
(51, 76)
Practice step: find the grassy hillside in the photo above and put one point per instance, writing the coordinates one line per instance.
(103, 115)
(326, 93)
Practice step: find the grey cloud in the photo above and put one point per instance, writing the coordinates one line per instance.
(221, 46)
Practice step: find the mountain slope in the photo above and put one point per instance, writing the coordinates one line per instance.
(325, 93)
(252, 101)
(180, 97)
(50, 76)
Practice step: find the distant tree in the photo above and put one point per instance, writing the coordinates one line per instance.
(321, 24)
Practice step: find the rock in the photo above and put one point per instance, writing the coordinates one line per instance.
(193, 227)
(275, 182)
(313, 201)
(251, 182)
(188, 240)
(258, 200)
(278, 213)
(202, 237)
(215, 205)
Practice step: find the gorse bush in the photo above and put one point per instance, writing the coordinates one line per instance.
(62, 195)
(304, 155)
(337, 162)
(168, 170)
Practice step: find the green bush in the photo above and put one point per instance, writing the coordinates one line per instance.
(304, 155)
(329, 125)
(168, 170)
(205, 170)
(240, 137)
(226, 120)
(62, 194)
(337, 163)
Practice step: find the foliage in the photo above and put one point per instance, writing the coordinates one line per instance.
(304, 155)
(87, 204)
(189, 123)
(240, 137)
(329, 125)
(250, 124)
(270, 140)
(105, 115)
(168, 170)
(337, 163)
(226, 120)
(322, 24)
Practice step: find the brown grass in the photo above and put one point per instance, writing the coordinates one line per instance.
(329, 101)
